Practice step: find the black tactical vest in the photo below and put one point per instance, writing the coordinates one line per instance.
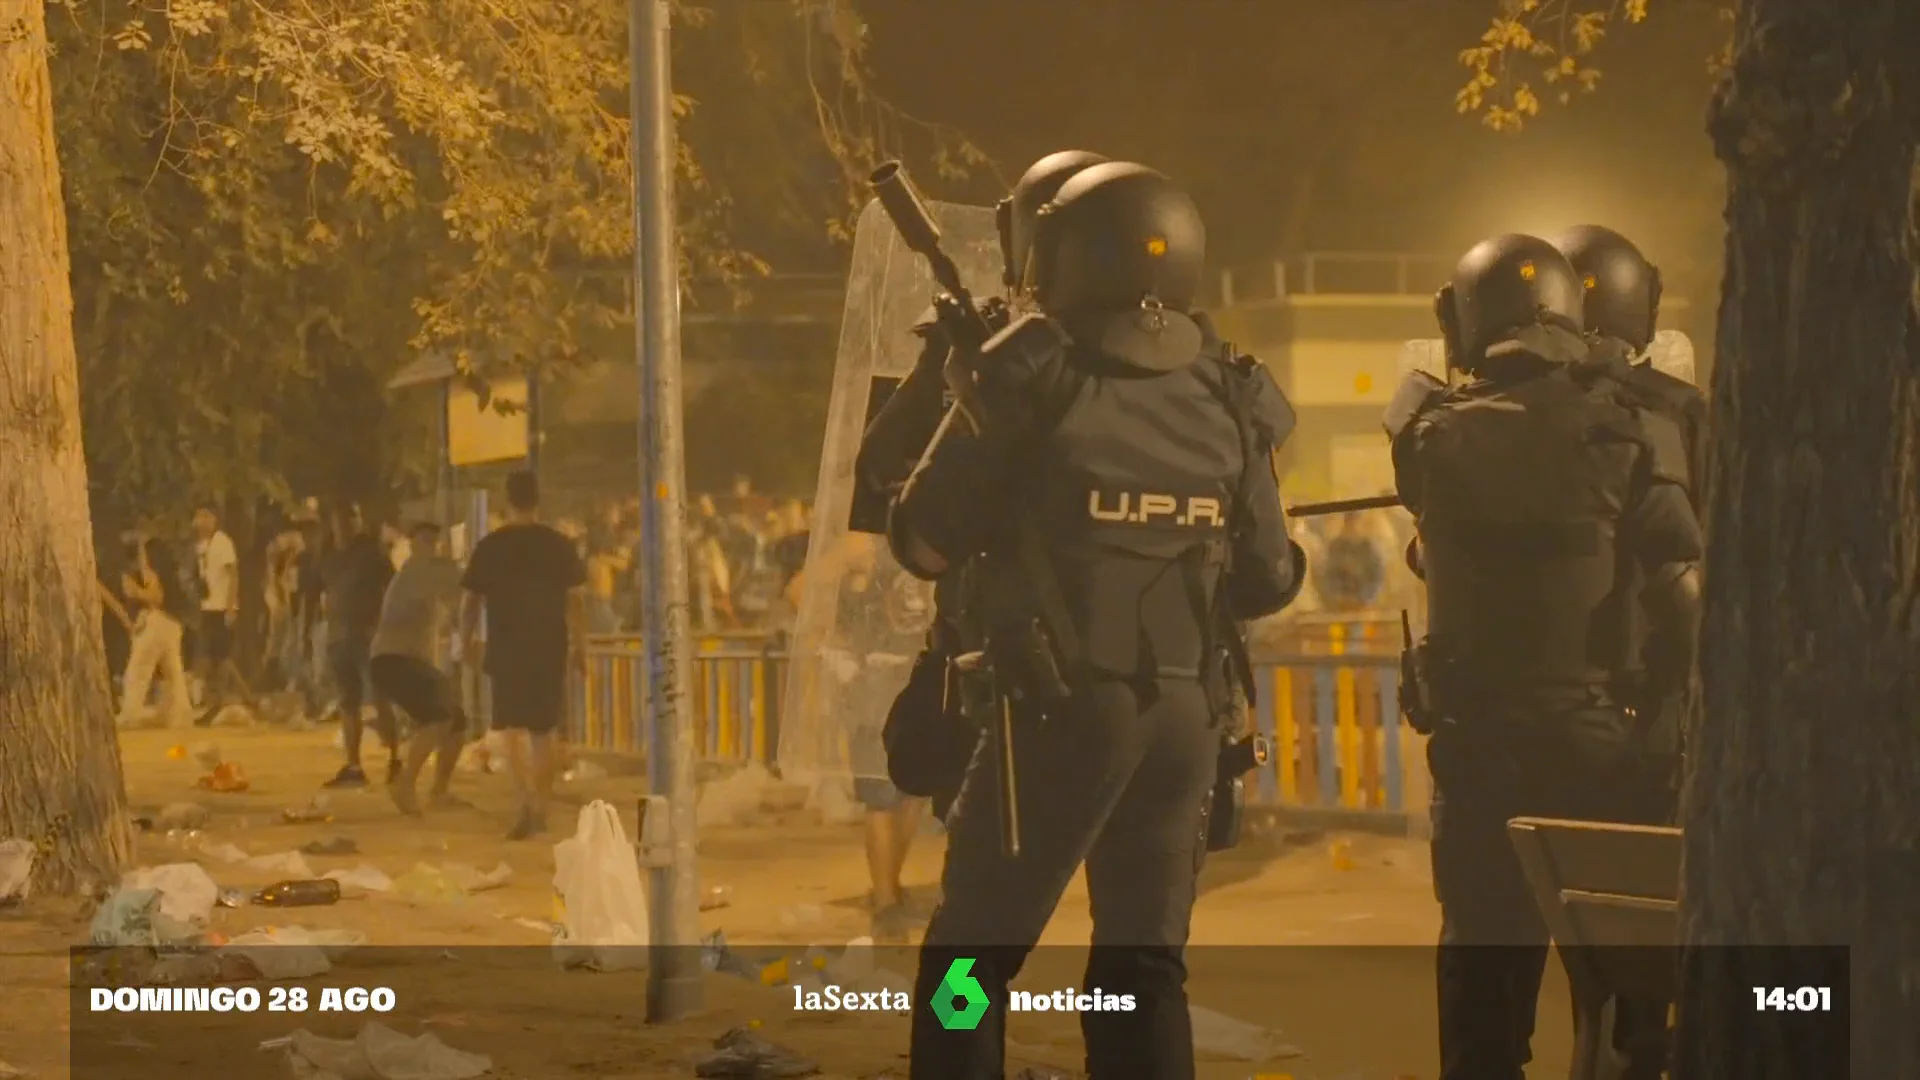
(1523, 484)
(1129, 494)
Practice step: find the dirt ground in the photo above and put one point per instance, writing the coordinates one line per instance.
(1321, 939)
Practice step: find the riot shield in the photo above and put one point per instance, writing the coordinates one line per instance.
(1671, 353)
(861, 620)
(1427, 355)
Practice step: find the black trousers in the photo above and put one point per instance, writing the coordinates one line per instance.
(1117, 781)
(1580, 765)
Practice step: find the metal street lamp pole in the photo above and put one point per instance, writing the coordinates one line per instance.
(673, 887)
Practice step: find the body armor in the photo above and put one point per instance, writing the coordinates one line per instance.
(1522, 484)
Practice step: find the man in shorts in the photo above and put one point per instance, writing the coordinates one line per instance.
(529, 580)
(406, 668)
(354, 576)
(872, 657)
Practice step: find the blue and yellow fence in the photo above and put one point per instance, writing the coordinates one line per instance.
(1332, 715)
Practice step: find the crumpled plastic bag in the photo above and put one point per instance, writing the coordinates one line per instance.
(736, 799)
(226, 853)
(380, 1053)
(449, 881)
(364, 876)
(292, 952)
(1220, 1035)
(290, 863)
(16, 870)
(182, 815)
(187, 892)
(132, 917)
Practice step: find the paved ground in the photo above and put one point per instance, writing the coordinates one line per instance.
(1322, 940)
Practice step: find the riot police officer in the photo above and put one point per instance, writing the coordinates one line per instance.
(927, 750)
(1622, 310)
(1545, 494)
(1113, 507)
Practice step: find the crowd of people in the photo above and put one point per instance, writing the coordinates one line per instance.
(358, 622)
(744, 551)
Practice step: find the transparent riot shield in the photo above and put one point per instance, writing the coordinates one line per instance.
(861, 619)
(1672, 353)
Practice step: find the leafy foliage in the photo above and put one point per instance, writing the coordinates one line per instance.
(273, 206)
(1537, 50)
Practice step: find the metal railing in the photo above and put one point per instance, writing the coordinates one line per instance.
(1332, 715)
(1321, 273)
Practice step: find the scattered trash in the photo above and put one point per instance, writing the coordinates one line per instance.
(16, 870)
(316, 811)
(584, 770)
(741, 1054)
(449, 881)
(132, 917)
(736, 799)
(597, 878)
(291, 863)
(228, 778)
(189, 967)
(1223, 1036)
(176, 753)
(231, 898)
(187, 892)
(365, 876)
(717, 897)
(8, 1072)
(332, 845)
(183, 815)
(226, 853)
(1355, 916)
(801, 915)
(547, 928)
(1340, 853)
(378, 1053)
(208, 755)
(292, 952)
(308, 892)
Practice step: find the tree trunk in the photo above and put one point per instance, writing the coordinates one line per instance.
(1802, 811)
(60, 783)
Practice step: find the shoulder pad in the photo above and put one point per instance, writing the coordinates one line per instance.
(1663, 390)
(1666, 445)
(1417, 392)
(1267, 406)
(1012, 357)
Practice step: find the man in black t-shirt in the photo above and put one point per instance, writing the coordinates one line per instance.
(354, 576)
(529, 579)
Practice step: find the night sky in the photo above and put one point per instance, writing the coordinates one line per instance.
(1318, 126)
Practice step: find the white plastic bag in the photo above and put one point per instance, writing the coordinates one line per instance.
(187, 893)
(598, 880)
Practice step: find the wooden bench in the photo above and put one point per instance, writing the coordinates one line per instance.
(1609, 895)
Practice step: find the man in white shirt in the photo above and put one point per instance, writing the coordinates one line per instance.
(218, 567)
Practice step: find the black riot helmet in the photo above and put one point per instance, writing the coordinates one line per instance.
(1503, 286)
(1015, 214)
(1622, 287)
(1118, 236)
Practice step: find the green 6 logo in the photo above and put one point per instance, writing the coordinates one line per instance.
(961, 1001)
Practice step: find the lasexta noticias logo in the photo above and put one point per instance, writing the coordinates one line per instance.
(961, 1002)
